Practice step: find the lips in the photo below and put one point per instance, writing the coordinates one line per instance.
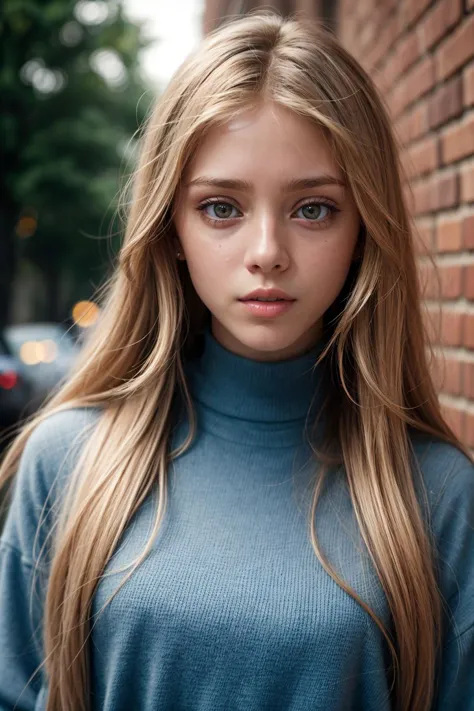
(265, 294)
(266, 301)
(267, 309)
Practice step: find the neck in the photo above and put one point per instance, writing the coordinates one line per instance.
(258, 402)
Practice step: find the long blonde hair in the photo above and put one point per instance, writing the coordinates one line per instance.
(133, 363)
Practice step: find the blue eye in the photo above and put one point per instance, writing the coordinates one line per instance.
(222, 210)
(313, 211)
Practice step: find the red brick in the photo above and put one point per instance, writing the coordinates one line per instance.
(453, 377)
(457, 50)
(458, 141)
(420, 79)
(468, 232)
(439, 192)
(468, 85)
(391, 4)
(469, 429)
(422, 197)
(406, 53)
(423, 237)
(383, 9)
(354, 12)
(381, 81)
(366, 35)
(411, 9)
(468, 331)
(409, 197)
(451, 281)
(469, 281)
(417, 82)
(345, 34)
(432, 324)
(423, 156)
(445, 191)
(386, 38)
(360, 9)
(449, 235)
(446, 103)
(429, 286)
(408, 169)
(451, 328)
(467, 183)
(438, 22)
(438, 372)
(413, 125)
(468, 380)
(455, 419)
(385, 78)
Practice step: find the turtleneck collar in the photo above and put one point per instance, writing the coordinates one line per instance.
(258, 402)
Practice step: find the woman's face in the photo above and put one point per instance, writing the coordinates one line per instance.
(263, 205)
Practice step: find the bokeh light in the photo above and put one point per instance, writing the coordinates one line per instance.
(109, 66)
(29, 353)
(50, 351)
(71, 34)
(85, 313)
(35, 352)
(43, 79)
(26, 226)
(91, 12)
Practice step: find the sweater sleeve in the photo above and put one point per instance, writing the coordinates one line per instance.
(20, 654)
(456, 680)
(451, 485)
(48, 457)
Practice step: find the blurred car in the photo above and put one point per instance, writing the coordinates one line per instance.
(16, 392)
(47, 352)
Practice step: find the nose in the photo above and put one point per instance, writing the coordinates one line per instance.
(266, 248)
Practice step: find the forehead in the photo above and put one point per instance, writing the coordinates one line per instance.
(263, 140)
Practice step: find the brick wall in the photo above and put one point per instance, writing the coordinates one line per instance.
(420, 54)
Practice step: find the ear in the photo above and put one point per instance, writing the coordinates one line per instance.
(176, 244)
(178, 249)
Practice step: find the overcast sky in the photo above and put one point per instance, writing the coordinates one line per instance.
(175, 25)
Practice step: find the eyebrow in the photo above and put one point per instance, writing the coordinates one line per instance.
(292, 185)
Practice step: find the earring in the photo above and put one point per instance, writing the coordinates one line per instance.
(178, 254)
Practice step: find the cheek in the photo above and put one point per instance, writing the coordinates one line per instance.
(327, 267)
(210, 269)
(203, 255)
(208, 258)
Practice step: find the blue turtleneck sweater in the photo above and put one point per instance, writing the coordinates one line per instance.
(232, 609)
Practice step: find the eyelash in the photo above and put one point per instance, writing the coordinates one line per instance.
(220, 201)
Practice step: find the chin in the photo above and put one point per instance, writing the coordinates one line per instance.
(267, 339)
(273, 339)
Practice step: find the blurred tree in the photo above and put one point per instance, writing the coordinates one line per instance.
(72, 98)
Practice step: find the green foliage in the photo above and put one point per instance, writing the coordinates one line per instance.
(64, 129)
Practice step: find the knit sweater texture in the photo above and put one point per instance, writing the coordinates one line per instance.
(232, 609)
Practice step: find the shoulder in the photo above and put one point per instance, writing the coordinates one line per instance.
(447, 473)
(60, 431)
(45, 465)
(448, 478)
(55, 443)
(51, 451)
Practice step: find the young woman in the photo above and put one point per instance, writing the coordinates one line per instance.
(246, 497)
